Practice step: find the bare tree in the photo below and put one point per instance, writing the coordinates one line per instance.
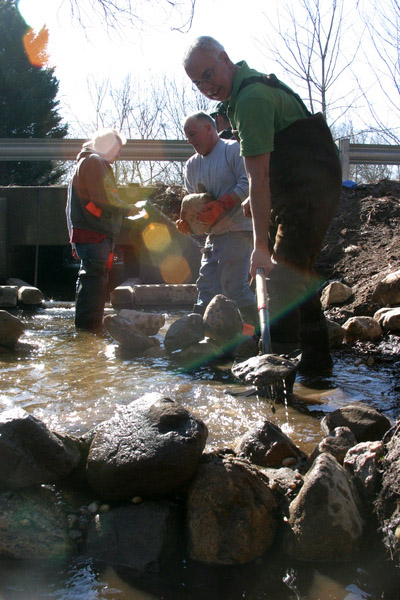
(308, 48)
(151, 110)
(384, 29)
(117, 13)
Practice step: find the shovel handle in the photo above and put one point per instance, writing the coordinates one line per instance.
(263, 315)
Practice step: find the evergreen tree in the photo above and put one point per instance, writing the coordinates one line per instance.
(28, 108)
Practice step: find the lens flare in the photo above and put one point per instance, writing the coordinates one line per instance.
(35, 45)
(174, 269)
(156, 237)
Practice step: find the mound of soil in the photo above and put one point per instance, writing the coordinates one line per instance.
(362, 244)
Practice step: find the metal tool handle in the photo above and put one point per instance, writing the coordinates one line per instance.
(263, 314)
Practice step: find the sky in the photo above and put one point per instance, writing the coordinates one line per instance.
(95, 53)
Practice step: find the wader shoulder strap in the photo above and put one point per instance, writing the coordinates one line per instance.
(273, 81)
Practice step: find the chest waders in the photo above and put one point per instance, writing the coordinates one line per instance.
(305, 183)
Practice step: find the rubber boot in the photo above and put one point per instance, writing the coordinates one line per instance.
(316, 358)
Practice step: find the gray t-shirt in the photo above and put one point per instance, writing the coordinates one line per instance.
(221, 172)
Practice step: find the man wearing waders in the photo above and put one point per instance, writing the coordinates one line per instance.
(295, 182)
(94, 216)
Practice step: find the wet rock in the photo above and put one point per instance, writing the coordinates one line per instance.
(230, 512)
(246, 347)
(335, 333)
(198, 354)
(387, 291)
(126, 335)
(191, 206)
(154, 352)
(264, 370)
(144, 322)
(338, 442)
(365, 422)
(387, 507)
(33, 524)
(361, 329)
(11, 328)
(362, 461)
(283, 482)
(149, 448)
(325, 523)
(335, 292)
(184, 332)
(388, 318)
(141, 537)
(268, 446)
(30, 453)
(222, 320)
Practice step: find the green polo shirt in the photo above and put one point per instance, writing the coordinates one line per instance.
(260, 111)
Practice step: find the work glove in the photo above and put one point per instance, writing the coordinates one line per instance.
(183, 227)
(212, 210)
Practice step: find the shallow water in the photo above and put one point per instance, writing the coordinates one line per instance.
(73, 380)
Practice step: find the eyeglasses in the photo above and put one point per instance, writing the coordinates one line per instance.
(208, 77)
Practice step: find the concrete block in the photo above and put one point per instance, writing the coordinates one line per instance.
(28, 294)
(8, 295)
(123, 294)
(165, 294)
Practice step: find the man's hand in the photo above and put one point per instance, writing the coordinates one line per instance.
(260, 257)
(183, 227)
(212, 210)
(246, 207)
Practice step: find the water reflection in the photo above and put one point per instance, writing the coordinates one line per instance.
(73, 380)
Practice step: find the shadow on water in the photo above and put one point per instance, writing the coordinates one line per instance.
(74, 380)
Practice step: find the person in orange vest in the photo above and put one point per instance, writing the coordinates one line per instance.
(94, 216)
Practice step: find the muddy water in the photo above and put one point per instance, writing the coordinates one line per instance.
(73, 380)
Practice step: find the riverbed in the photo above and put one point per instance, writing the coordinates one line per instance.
(72, 380)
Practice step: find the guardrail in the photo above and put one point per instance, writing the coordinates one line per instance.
(67, 149)
(366, 154)
(30, 149)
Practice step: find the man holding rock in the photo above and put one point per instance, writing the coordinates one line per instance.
(218, 169)
(295, 183)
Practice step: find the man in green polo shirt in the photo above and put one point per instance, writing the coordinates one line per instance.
(295, 183)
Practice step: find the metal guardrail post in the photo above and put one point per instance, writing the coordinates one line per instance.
(344, 152)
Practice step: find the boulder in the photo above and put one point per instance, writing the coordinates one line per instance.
(145, 322)
(338, 442)
(264, 370)
(125, 334)
(365, 422)
(11, 328)
(30, 453)
(8, 296)
(387, 291)
(364, 329)
(362, 461)
(191, 206)
(222, 320)
(388, 319)
(268, 446)
(197, 355)
(150, 448)
(335, 333)
(142, 537)
(184, 332)
(230, 512)
(33, 524)
(387, 507)
(325, 523)
(335, 292)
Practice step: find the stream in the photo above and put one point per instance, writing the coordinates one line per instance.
(72, 380)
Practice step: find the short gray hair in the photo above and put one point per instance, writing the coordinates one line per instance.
(205, 43)
(201, 116)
